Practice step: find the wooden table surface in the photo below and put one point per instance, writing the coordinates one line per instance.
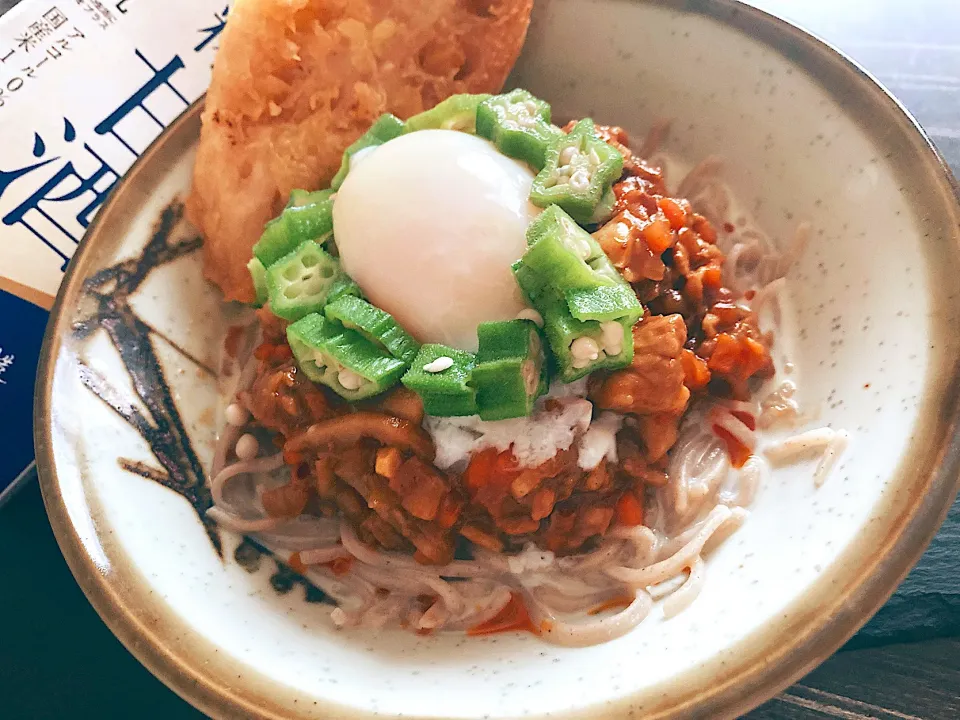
(58, 661)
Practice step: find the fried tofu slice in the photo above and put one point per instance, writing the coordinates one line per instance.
(296, 81)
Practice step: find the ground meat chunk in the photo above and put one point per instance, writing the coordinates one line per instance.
(654, 382)
(658, 434)
(283, 399)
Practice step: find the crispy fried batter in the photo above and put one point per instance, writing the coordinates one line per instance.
(296, 81)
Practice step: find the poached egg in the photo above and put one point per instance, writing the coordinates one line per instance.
(428, 225)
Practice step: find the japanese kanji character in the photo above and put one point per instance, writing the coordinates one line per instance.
(7, 56)
(55, 17)
(211, 33)
(161, 78)
(40, 29)
(26, 42)
(96, 184)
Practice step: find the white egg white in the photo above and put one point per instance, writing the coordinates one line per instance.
(428, 225)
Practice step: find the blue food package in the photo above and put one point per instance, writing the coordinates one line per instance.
(21, 333)
(66, 139)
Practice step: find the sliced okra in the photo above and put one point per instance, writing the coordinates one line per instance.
(375, 324)
(604, 210)
(258, 273)
(578, 170)
(300, 198)
(342, 286)
(441, 375)
(308, 216)
(300, 283)
(563, 258)
(457, 112)
(510, 373)
(387, 127)
(342, 359)
(581, 347)
(604, 302)
(519, 125)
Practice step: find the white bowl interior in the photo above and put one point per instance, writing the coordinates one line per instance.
(861, 327)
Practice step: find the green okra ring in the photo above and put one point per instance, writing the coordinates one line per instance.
(342, 359)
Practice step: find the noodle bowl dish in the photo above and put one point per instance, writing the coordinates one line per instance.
(573, 387)
(588, 434)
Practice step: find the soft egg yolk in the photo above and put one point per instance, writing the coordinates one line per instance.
(428, 226)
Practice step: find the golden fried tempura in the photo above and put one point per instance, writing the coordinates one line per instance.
(296, 81)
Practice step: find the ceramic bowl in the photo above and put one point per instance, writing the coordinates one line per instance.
(127, 389)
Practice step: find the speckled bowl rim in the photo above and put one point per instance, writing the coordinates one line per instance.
(768, 664)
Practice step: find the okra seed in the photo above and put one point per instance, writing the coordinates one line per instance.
(584, 350)
(531, 314)
(594, 158)
(612, 333)
(349, 379)
(247, 447)
(580, 180)
(567, 155)
(236, 414)
(439, 365)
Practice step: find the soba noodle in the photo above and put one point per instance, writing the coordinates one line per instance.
(703, 503)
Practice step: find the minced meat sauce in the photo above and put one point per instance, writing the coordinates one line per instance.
(372, 463)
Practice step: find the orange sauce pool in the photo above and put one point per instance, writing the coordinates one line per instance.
(514, 616)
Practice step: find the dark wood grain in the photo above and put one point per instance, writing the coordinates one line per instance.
(899, 682)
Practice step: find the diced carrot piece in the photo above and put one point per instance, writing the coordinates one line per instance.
(340, 566)
(726, 354)
(712, 277)
(629, 510)
(296, 564)
(658, 236)
(506, 462)
(753, 357)
(705, 229)
(673, 211)
(449, 512)
(282, 352)
(738, 452)
(480, 470)
(264, 351)
(695, 370)
(514, 616)
(388, 461)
